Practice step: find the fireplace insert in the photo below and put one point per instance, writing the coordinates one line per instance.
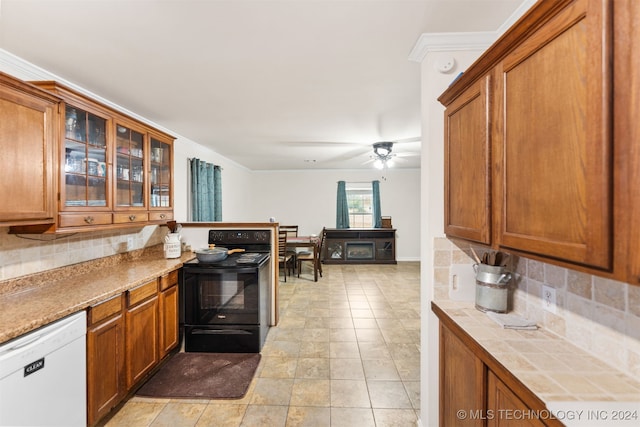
(359, 250)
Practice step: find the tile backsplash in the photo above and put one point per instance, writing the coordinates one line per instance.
(34, 253)
(599, 315)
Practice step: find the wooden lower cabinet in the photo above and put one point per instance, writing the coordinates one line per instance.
(105, 358)
(505, 408)
(142, 337)
(474, 390)
(169, 335)
(462, 383)
(127, 336)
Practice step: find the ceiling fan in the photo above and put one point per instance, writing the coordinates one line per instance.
(383, 155)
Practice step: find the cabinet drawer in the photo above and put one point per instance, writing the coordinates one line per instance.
(105, 309)
(161, 216)
(121, 218)
(169, 280)
(85, 219)
(142, 292)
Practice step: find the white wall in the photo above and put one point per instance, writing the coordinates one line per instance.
(308, 199)
(432, 206)
(464, 49)
(234, 178)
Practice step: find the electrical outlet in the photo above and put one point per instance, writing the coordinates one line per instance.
(129, 243)
(549, 298)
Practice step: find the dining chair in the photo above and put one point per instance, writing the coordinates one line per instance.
(314, 257)
(292, 231)
(285, 260)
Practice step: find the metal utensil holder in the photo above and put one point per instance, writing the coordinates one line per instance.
(492, 287)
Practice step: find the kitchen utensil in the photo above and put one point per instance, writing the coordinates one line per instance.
(172, 226)
(213, 254)
(505, 259)
(475, 256)
(498, 259)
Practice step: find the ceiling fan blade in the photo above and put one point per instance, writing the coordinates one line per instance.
(321, 144)
(407, 140)
(407, 154)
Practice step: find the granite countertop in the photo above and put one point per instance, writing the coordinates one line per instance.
(550, 366)
(29, 303)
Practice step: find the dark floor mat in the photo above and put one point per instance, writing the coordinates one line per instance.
(203, 375)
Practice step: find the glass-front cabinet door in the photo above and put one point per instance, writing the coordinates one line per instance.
(161, 180)
(129, 168)
(85, 161)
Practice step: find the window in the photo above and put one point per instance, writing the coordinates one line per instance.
(360, 201)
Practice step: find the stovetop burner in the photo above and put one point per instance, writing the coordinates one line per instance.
(250, 258)
(244, 259)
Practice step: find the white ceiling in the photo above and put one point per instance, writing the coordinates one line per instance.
(289, 84)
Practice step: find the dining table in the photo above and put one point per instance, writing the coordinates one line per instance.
(312, 242)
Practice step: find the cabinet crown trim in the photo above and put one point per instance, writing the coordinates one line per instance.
(438, 42)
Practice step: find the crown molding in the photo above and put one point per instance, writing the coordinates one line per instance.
(450, 42)
(29, 71)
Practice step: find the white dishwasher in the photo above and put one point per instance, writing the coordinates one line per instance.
(43, 376)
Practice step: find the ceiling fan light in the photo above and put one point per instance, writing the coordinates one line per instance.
(382, 151)
(378, 164)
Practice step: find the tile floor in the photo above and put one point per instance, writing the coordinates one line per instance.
(346, 353)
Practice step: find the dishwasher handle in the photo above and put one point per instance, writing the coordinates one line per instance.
(22, 343)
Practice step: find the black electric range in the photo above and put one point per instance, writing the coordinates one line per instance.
(225, 305)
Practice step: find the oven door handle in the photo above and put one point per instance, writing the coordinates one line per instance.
(196, 331)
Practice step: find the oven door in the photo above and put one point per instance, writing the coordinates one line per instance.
(228, 296)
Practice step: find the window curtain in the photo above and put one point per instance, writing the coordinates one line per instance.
(377, 213)
(206, 191)
(342, 211)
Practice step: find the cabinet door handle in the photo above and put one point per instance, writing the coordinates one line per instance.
(162, 216)
(88, 219)
(132, 217)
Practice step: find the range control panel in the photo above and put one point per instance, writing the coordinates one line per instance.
(241, 237)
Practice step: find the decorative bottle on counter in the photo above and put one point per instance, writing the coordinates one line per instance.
(172, 246)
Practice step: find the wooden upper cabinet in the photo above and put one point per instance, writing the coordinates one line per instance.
(467, 193)
(28, 132)
(106, 167)
(537, 110)
(160, 178)
(130, 179)
(627, 135)
(554, 148)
